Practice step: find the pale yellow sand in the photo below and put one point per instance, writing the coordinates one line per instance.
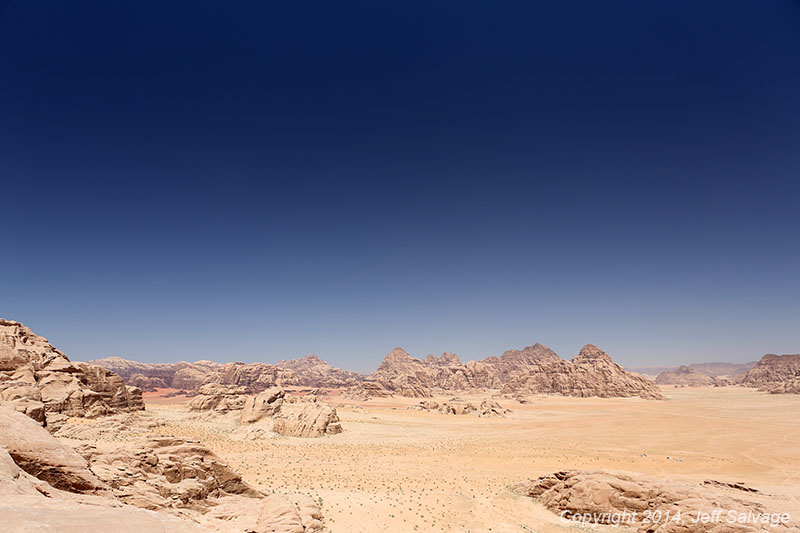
(398, 470)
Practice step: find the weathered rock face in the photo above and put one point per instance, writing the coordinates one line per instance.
(291, 416)
(605, 495)
(166, 474)
(39, 454)
(30, 504)
(163, 472)
(407, 376)
(776, 374)
(311, 371)
(263, 405)
(687, 377)
(308, 371)
(590, 373)
(366, 391)
(306, 419)
(40, 381)
(218, 398)
(535, 369)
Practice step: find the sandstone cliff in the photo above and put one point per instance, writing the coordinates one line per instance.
(40, 381)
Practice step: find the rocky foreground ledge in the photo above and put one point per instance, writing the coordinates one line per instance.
(110, 473)
(40, 381)
(651, 505)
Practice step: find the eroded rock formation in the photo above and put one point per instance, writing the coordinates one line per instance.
(776, 374)
(590, 373)
(308, 371)
(366, 391)
(40, 381)
(301, 418)
(602, 497)
(312, 371)
(181, 479)
(218, 398)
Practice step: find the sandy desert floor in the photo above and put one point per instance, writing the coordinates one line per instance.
(398, 470)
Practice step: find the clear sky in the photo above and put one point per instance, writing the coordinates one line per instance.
(260, 180)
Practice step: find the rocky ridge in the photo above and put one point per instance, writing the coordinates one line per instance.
(532, 370)
(591, 373)
(776, 374)
(685, 376)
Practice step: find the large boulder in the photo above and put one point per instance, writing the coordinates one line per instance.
(263, 405)
(306, 419)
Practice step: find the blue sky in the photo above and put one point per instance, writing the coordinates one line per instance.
(253, 181)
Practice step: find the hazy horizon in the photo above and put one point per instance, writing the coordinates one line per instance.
(260, 182)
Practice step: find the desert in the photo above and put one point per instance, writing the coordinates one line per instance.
(400, 267)
(416, 456)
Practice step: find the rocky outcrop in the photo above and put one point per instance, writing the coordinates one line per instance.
(457, 406)
(532, 370)
(366, 391)
(30, 504)
(492, 409)
(40, 381)
(36, 452)
(218, 398)
(408, 376)
(308, 371)
(425, 405)
(285, 415)
(263, 405)
(784, 387)
(591, 373)
(299, 418)
(311, 371)
(685, 376)
(162, 472)
(599, 497)
(776, 374)
(173, 476)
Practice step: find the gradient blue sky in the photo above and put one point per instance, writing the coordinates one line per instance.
(254, 181)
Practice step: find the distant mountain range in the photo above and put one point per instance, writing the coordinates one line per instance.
(709, 369)
(532, 370)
